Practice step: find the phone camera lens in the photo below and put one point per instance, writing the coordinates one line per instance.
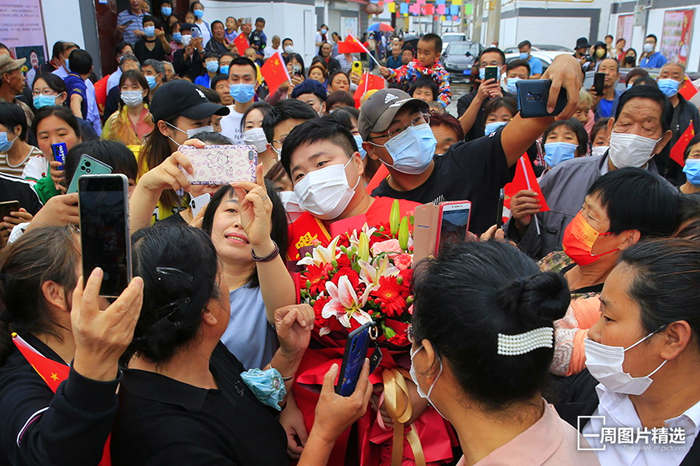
(87, 170)
(87, 164)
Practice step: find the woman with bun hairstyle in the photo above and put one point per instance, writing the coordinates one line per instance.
(482, 337)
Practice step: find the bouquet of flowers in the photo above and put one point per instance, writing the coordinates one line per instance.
(362, 276)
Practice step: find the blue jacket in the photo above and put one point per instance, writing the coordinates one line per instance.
(655, 60)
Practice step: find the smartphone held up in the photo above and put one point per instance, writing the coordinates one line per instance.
(221, 164)
(104, 230)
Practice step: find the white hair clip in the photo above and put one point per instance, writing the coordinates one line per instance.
(514, 345)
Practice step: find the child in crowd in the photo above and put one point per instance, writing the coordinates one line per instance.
(425, 89)
(499, 111)
(132, 122)
(427, 64)
(600, 137)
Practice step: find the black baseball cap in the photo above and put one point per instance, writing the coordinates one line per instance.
(581, 43)
(377, 113)
(182, 98)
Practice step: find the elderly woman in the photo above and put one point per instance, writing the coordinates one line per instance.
(485, 372)
(641, 355)
(185, 399)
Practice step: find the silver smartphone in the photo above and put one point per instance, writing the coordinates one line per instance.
(104, 230)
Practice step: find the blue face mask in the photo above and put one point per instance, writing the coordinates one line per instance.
(150, 31)
(177, 36)
(166, 10)
(557, 152)
(668, 86)
(267, 386)
(511, 87)
(5, 144)
(212, 66)
(42, 100)
(358, 141)
(491, 128)
(482, 74)
(692, 171)
(523, 55)
(151, 80)
(242, 93)
(198, 14)
(629, 85)
(412, 150)
(223, 69)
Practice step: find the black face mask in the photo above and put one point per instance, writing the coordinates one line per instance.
(629, 60)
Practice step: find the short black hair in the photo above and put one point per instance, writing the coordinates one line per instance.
(648, 92)
(425, 81)
(608, 35)
(210, 94)
(148, 19)
(113, 153)
(517, 64)
(216, 21)
(80, 61)
(525, 43)
(56, 84)
(339, 97)
(287, 39)
(653, 37)
(262, 106)
(217, 79)
(58, 48)
(574, 125)
(244, 61)
(451, 293)
(12, 115)
(636, 199)
(318, 129)
(598, 126)
(492, 50)
(435, 39)
(260, 19)
(119, 48)
(287, 109)
(690, 145)
(617, 64)
(636, 72)
(495, 103)
(342, 117)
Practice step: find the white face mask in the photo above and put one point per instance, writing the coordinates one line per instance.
(598, 150)
(325, 192)
(648, 47)
(605, 364)
(256, 137)
(414, 377)
(291, 205)
(631, 150)
(288, 49)
(132, 98)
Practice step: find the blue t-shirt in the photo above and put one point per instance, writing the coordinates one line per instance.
(76, 85)
(605, 108)
(202, 80)
(535, 65)
(249, 336)
(655, 60)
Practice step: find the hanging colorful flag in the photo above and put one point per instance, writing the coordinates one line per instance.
(391, 6)
(403, 9)
(678, 149)
(241, 44)
(440, 9)
(274, 72)
(456, 2)
(454, 9)
(429, 9)
(455, 18)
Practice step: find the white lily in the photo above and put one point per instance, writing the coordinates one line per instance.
(344, 304)
(321, 255)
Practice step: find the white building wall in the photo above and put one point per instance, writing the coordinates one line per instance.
(62, 22)
(558, 31)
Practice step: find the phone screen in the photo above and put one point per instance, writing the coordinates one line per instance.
(7, 207)
(454, 223)
(104, 230)
(599, 82)
(491, 72)
(355, 354)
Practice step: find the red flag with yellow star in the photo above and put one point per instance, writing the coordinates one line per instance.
(678, 149)
(687, 89)
(274, 72)
(242, 44)
(51, 371)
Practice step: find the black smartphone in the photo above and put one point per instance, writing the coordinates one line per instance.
(599, 82)
(353, 359)
(499, 209)
(533, 95)
(491, 73)
(8, 206)
(104, 230)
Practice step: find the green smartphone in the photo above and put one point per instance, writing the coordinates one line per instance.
(87, 166)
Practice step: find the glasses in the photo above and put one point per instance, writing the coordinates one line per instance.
(422, 119)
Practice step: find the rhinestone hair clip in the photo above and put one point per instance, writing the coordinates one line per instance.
(514, 345)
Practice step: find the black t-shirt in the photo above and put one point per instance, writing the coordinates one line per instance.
(143, 53)
(163, 422)
(17, 189)
(473, 170)
(477, 129)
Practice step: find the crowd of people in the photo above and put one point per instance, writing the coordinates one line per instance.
(584, 307)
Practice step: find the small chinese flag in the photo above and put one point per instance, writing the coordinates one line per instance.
(679, 147)
(687, 89)
(274, 72)
(524, 179)
(242, 44)
(351, 45)
(51, 371)
(367, 83)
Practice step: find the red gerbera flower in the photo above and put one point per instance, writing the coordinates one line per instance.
(316, 277)
(389, 297)
(350, 273)
(343, 261)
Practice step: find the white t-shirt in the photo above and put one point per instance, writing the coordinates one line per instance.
(269, 51)
(231, 126)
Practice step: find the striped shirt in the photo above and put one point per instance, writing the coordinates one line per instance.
(136, 24)
(16, 169)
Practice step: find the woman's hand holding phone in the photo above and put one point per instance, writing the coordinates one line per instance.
(255, 209)
(58, 176)
(102, 336)
(60, 210)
